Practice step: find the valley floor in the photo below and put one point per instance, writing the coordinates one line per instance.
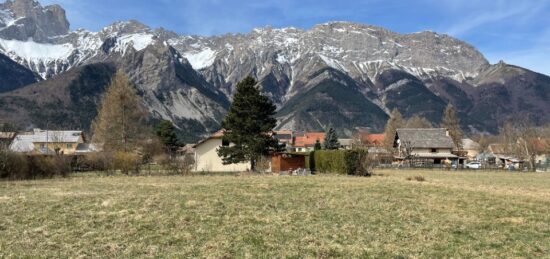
(466, 214)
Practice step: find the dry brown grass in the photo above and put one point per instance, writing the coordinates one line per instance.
(497, 215)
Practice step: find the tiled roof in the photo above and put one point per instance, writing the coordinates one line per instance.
(376, 138)
(216, 135)
(469, 144)
(499, 149)
(425, 138)
(309, 139)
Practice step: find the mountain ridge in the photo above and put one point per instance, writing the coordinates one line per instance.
(190, 80)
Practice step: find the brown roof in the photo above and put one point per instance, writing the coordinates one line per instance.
(216, 135)
(426, 138)
(376, 139)
(309, 139)
(498, 149)
(469, 144)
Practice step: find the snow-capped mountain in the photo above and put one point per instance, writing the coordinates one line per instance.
(335, 74)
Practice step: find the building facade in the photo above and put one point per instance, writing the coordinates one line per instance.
(432, 146)
(48, 142)
(208, 160)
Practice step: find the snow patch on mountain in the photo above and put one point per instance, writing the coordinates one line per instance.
(88, 41)
(281, 59)
(6, 17)
(333, 63)
(138, 41)
(201, 59)
(32, 51)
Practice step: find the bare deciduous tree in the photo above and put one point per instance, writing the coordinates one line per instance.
(120, 119)
(396, 121)
(418, 122)
(451, 122)
(523, 140)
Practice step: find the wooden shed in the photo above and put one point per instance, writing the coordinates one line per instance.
(283, 162)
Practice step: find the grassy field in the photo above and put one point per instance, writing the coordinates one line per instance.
(489, 215)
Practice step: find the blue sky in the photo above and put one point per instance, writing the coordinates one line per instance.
(517, 32)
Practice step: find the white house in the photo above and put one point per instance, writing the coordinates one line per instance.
(434, 145)
(48, 142)
(207, 159)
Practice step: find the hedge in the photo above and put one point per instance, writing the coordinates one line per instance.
(350, 162)
(14, 166)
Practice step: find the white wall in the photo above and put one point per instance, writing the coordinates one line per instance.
(207, 159)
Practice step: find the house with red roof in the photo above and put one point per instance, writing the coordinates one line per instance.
(305, 142)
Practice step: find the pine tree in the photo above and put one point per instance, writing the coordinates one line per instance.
(248, 126)
(318, 145)
(331, 140)
(119, 124)
(166, 131)
(452, 124)
(395, 122)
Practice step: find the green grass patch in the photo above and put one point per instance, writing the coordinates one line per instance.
(468, 214)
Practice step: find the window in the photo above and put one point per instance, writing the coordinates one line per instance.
(434, 150)
(69, 146)
(42, 146)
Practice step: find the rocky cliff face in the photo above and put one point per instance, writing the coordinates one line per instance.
(336, 74)
(24, 19)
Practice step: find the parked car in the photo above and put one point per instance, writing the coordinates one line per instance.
(473, 165)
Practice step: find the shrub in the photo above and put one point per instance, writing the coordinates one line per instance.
(13, 166)
(100, 161)
(350, 162)
(126, 162)
(49, 166)
(328, 161)
(356, 163)
(177, 165)
(16, 166)
(310, 161)
(263, 164)
(151, 150)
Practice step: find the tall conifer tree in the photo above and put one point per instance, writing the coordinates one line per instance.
(331, 140)
(248, 126)
(166, 131)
